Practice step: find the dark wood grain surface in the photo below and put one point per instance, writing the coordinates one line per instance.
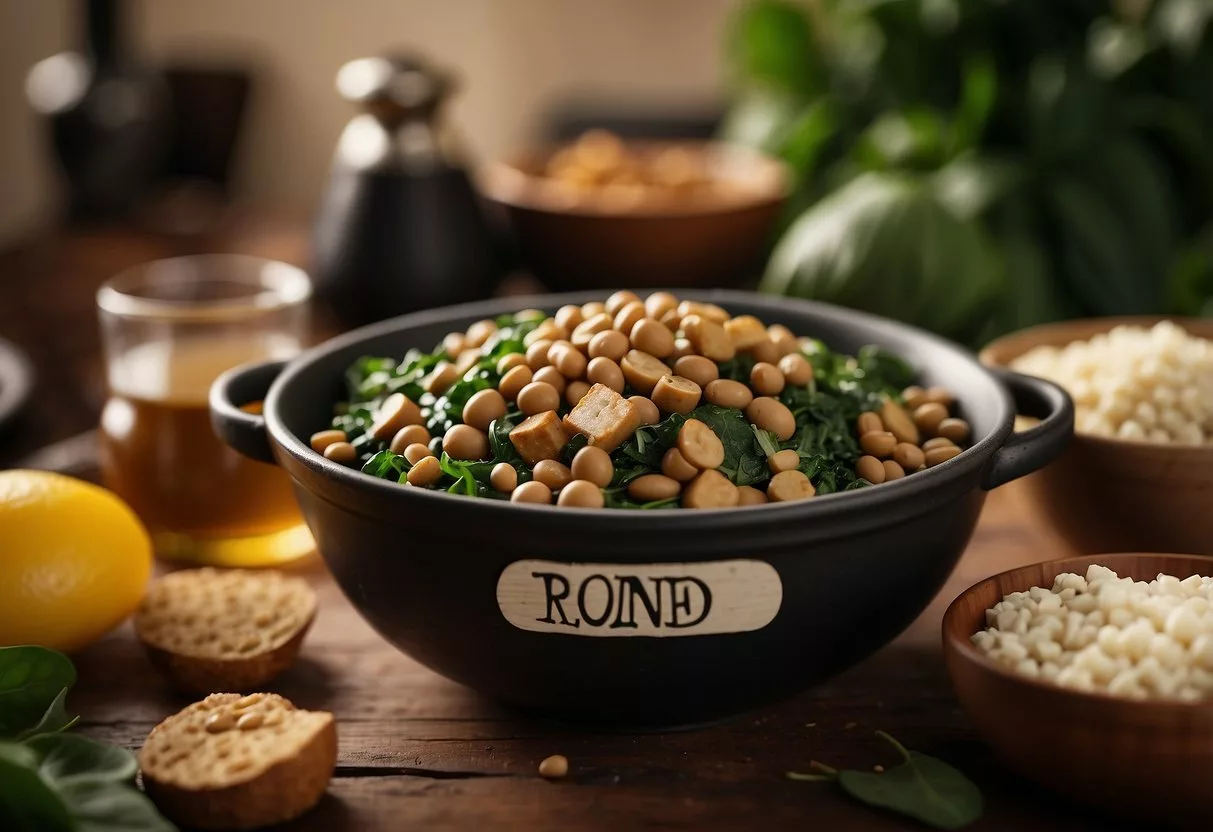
(419, 752)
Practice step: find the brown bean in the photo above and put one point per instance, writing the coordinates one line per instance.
(700, 445)
(898, 422)
(465, 442)
(868, 422)
(682, 348)
(787, 486)
(706, 310)
(567, 359)
(708, 338)
(530, 315)
(748, 495)
(440, 378)
(549, 330)
(796, 369)
(675, 466)
(646, 412)
(766, 380)
(569, 316)
(783, 339)
(658, 303)
(581, 494)
(675, 394)
(649, 336)
(480, 331)
(698, 369)
(425, 471)
(745, 331)
(620, 299)
(593, 464)
(935, 456)
(928, 416)
(537, 355)
(587, 329)
(914, 397)
(773, 415)
(514, 380)
(467, 360)
(555, 475)
(650, 487)
(728, 393)
(550, 375)
(510, 361)
(532, 492)
(575, 392)
(628, 316)
(322, 439)
(892, 471)
(765, 350)
(710, 489)
(503, 477)
(611, 344)
(878, 443)
(454, 343)
(671, 320)
(602, 370)
(554, 767)
(341, 452)
(396, 411)
(955, 429)
(537, 397)
(871, 469)
(409, 435)
(642, 370)
(483, 408)
(594, 307)
(416, 452)
(940, 395)
(937, 442)
(784, 460)
(908, 456)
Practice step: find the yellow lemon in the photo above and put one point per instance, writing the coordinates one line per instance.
(74, 560)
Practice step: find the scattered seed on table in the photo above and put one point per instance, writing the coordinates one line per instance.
(554, 767)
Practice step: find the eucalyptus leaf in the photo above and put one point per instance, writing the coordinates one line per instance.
(27, 802)
(98, 806)
(69, 758)
(31, 678)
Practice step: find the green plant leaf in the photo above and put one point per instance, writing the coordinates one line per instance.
(69, 758)
(27, 802)
(979, 88)
(922, 787)
(31, 678)
(771, 42)
(99, 806)
(54, 720)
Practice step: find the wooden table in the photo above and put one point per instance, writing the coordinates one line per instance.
(419, 752)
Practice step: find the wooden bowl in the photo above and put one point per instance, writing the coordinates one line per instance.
(1153, 760)
(591, 240)
(1108, 495)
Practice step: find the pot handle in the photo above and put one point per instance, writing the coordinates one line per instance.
(242, 429)
(1037, 446)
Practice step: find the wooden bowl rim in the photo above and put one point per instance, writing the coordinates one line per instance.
(509, 181)
(963, 649)
(1022, 340)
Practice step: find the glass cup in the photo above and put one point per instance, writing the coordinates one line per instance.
(169, 328)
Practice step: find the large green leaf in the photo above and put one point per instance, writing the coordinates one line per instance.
(30, 680)
(103, 807)
(69, 758)
(771, 42)
(27, 802)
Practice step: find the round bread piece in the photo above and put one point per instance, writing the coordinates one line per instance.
(224, 629)
(239, 762)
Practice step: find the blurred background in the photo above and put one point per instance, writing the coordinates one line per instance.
(970, 166)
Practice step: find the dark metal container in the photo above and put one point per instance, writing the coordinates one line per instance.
(642, 619)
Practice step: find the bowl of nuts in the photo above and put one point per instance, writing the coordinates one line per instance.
(573, 502)
(1139, 473)
(602, 212)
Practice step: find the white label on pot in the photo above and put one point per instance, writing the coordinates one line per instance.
(656, 600)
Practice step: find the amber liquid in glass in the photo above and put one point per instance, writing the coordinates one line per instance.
(202, 501)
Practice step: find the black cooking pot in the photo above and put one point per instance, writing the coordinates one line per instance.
(641, 618)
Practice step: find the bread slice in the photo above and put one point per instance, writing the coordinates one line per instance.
(224, 629)
(239, 762)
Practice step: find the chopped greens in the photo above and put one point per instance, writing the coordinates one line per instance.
(825, 410)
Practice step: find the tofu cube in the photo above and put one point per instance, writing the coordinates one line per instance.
(540, 437)
(745, 331)
(606, 418)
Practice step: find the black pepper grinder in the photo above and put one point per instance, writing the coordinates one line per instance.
(400, 227)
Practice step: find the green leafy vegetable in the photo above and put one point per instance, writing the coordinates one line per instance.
(921, 787)
(32, 679)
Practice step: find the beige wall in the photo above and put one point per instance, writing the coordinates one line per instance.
(515, 58)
